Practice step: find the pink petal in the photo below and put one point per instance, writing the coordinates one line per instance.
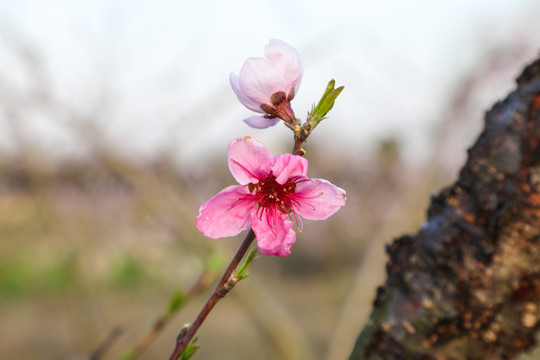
(246, 101)
(274, 233)
(226, 214)
(259, 79)
(287, 166)
(249, 160)
(260, 122)
(318, 199)
(287, 60)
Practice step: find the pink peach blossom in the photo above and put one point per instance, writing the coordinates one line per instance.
(268, 85)
(273, 194)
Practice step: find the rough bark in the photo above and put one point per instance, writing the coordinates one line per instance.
(467, 284)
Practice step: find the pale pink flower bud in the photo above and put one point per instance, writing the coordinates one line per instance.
(268, 85)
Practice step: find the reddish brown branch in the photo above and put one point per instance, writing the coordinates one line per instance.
(163, 320)
(107, 343)
(226, 283)
(219, 292)
(467, 285)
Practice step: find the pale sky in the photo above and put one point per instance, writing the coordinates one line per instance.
(155, 73)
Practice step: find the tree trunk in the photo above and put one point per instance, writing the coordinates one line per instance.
(467, 284)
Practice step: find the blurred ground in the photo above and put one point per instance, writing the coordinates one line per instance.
(99, 240)
(89, 246)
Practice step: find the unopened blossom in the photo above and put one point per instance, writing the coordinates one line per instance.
(273, 194)
(268, 85)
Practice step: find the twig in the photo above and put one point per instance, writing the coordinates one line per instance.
(145, 340)
(226, 283)
(107, 343)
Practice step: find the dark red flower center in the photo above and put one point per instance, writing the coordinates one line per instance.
(272, 195)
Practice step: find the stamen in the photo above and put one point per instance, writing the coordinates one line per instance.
(274, 199)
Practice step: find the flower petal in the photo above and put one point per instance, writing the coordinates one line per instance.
(274, 233)
(226, 214)
(287, 166)
(318, 199)
(260, 122)
(287, 60)
(245, 100)
(249, 160)
(259, 79)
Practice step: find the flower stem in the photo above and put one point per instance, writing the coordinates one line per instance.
(228, 280)
(226, 283)
(300, 136)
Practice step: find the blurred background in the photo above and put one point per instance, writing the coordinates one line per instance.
(114, 122)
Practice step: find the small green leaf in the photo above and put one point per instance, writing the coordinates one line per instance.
(325, 104)
(241, 272)
(329, 88)
(215, 262)
(190, 350)
(129, 354)
(129, 272)
(176, 301)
